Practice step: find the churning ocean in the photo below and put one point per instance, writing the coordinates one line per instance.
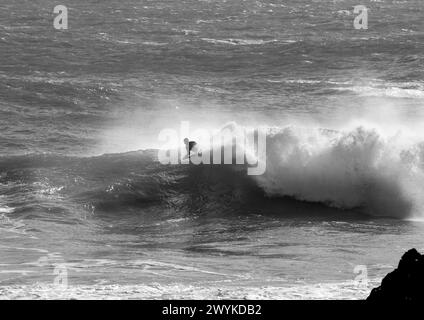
(86, 209)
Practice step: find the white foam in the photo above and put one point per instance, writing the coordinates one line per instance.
(235, 42)
(6, 209)
(391, 91)
(206, 291)
(357, 168)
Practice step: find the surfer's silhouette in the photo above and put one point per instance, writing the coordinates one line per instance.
(191, 146)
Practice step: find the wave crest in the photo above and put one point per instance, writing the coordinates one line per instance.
(359, 168)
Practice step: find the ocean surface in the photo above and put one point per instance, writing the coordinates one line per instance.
(88, 211)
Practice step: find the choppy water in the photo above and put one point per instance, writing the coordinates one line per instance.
(344, 176)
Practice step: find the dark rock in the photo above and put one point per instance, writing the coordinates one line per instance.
(406, 283)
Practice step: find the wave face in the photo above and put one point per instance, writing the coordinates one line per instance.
(358, 169)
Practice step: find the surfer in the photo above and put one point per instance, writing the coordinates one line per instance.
(190, 146)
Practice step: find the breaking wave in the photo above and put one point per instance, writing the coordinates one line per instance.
(360, 169)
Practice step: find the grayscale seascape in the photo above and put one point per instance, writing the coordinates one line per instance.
(87, 211)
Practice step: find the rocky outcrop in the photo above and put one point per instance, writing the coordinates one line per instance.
(406, 283)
